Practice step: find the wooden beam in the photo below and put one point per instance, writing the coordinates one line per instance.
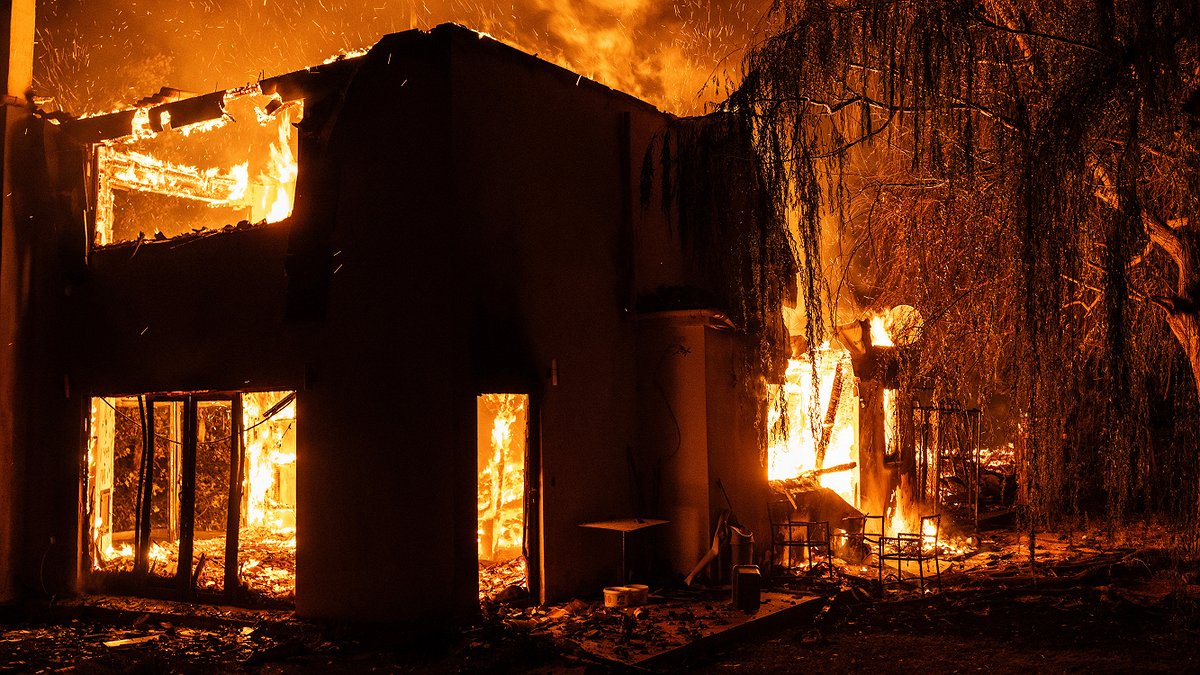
(233, 521)
(145, 495)
(187, 499)
(16, 46)
(835, 399)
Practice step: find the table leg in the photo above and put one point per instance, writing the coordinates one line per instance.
(624, 569)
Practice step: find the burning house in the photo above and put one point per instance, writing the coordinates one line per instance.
(341, 335)
(347, 336)
(439, 329)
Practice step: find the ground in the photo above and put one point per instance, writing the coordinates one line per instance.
(1090, 607)
(1030, 631)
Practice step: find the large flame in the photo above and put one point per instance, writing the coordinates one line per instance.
(270, 462)
(879, 332)
(501, 531)
(810, 420)
(903, 516)
(280, 178)
(138, 164)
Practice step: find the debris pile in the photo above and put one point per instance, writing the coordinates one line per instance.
(669, 622)
(503, 582)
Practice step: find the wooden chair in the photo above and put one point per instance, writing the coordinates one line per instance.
(913, 547)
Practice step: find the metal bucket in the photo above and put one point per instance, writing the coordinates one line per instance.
(741, 546)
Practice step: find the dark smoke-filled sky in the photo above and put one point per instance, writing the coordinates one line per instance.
(97, 55)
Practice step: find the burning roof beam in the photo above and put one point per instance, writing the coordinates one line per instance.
(135, 171)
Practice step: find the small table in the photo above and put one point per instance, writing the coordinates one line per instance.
(624, 526)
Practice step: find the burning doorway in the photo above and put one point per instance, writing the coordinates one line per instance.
(202, 477)
(503, 461)
(813, 456)
(814, 425)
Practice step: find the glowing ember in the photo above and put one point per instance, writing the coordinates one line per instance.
(820, 432)
(267, 569)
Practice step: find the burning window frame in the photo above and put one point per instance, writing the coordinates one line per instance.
(131, 568)
(124, 164)
(169, 111)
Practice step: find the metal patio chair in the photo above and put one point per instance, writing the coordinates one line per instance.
(913, 547)
(789, 535)
(863, 533)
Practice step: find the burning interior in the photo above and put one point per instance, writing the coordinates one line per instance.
(205, 478)
(503, 426)
(231, 162)
(817, 435)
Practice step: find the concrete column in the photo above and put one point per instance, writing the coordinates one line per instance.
(16, 63)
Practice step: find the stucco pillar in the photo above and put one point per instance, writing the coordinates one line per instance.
(16, 63)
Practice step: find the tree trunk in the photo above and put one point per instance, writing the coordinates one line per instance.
(1186, 327)
(1181, 241)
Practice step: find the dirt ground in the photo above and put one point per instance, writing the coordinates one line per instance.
(1089, 607)
(1006, 631)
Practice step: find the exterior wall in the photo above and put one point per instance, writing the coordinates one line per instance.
(38, 488)
(386, 467)
(545, 165)
(735, 446)
(698, 433)
(674, 434)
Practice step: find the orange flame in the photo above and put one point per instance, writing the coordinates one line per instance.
(270, 462)
(131, 164)
(794, 453)
(280, 178)
(501, 531)
(879, 332)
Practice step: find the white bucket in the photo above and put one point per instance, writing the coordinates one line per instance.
(618, 596)
(641, 593)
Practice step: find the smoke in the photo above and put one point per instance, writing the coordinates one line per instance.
(97, 55)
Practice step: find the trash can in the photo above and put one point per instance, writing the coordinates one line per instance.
(741, 546)
(747, 588)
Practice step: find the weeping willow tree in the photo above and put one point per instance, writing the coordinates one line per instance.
(1027, 175)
